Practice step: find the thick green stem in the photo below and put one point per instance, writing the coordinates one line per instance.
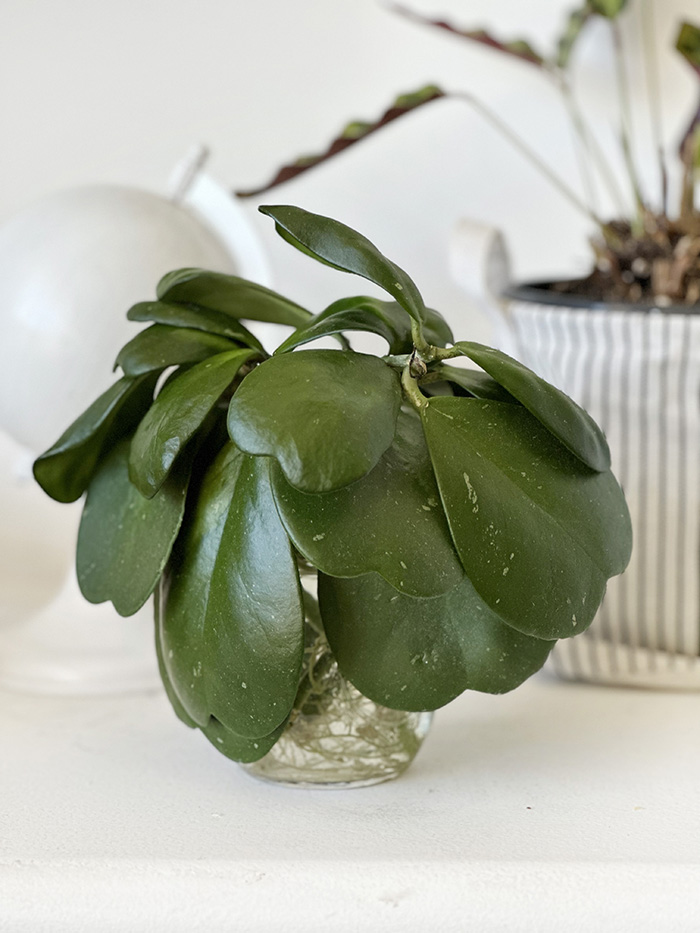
(413, 393)
(419, 341)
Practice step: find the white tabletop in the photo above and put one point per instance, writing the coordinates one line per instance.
(558, 807)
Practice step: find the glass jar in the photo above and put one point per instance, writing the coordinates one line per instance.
(336, 737)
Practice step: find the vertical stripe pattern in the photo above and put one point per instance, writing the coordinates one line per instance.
(638, 374)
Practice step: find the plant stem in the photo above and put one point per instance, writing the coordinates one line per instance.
(626, 123)
(653, 90)
(419, 341)
(529, 154)
(413, 393)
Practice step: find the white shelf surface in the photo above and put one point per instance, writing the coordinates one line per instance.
(558, 807)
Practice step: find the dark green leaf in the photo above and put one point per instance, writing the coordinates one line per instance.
(607, 8)
(177, 413)
(327, 416)
(124, 539)
(537, 532)
(419, 654)
(224, 740)
(238, 747)
(253, 642)
(390, 521)
(213, 322)
(187, 582)
(476, 383)
(360, 313)
(351, 134)
(558, 413)
(65, 470)
(170, 691)
(231, 295)
(160, 346)
(344, 248)
(519, 48)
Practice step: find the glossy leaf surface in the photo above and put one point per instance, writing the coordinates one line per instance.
(566, 420)
(187, 582)
(170, 691)
(230, 294)
(160, 346)
(419, 654)
(343, 248)
(476, 383)
(65, 470)
(390, 521)
(537, 532)
(237, 747)
(361, 313)
(177, 413)
(326, 416)
(125, 540)
(254, 632)
(195, 317)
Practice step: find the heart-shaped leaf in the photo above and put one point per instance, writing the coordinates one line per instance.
(187, 581)
(160, 346)
(558, 413)
(195, 317)
(390, 521)
(168, 686)
(234, 296)
(237, 747)
(347, 250)
(253, 642)
(419, 654)
(326, 416)
(360, 313)
(125, 540)
(65, 470)
(537, 532)
(177, 413)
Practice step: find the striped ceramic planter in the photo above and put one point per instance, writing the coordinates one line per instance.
(637, 371)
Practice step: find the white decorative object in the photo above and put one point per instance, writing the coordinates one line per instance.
(70, 267)
(637, 371)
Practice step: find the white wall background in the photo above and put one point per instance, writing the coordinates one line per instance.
(116, 92)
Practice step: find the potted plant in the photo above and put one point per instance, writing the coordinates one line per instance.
(338, 543)
(624, 342)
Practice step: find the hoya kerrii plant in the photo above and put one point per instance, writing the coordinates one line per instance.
(459, 520)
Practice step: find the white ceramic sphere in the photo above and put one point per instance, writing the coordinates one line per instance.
(70, 268)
